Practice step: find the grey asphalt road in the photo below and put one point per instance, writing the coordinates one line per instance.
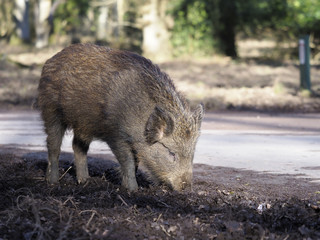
(282, 143)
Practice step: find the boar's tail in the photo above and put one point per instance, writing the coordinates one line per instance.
(35, 105)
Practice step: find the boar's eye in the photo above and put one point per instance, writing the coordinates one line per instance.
(172, 155)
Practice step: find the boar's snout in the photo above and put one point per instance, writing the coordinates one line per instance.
(181, 183)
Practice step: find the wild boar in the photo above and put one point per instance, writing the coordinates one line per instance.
(123, 99)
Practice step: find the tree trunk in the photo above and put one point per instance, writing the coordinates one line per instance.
(42, 27)
(21, 14)
(7, 25)
(119, 12)
(155, 34)
(228, 22)
(102, 28)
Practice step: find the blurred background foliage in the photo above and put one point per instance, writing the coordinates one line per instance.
(194, 30)
(69, 16)
(208, 26)
(160, 27)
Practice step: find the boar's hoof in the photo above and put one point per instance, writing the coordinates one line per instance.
(82, 180)
(130, 186)
(52, 178)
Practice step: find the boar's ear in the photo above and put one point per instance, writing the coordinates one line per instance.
(160, 123)
(198, 115)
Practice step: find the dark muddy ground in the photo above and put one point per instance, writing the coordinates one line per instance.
(224, 204)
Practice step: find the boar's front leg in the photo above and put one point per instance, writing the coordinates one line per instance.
(124, 155)
(80, 149)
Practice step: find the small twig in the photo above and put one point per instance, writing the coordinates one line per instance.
(49, 210)
(86, 184)
(65, 173)
(128, 220)
(93, 212)
(122, 200)
(159, 217)
(69, 199)
(166, 205)
(90, 219)
(18, 204)
(85, 211)
(165, 231)
(103, 178)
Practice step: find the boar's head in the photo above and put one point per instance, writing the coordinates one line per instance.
(172, 139)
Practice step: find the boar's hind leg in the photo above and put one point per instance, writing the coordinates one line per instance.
(55, 132)
(124, 155)
(80, 149)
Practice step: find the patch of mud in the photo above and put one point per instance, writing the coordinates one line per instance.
(225, 204)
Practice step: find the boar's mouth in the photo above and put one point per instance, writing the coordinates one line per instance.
(180, 183)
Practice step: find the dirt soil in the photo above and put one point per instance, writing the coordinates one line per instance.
(225, 203)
